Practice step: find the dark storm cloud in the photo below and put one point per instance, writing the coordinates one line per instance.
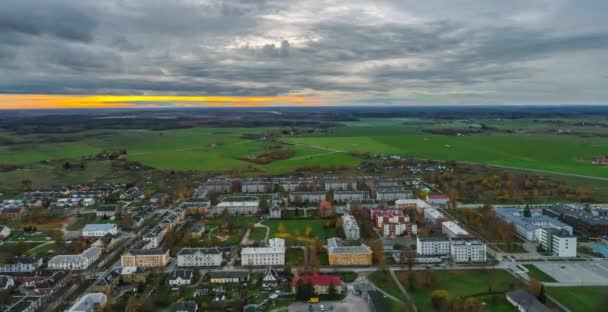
(366, 49)
(50, 17)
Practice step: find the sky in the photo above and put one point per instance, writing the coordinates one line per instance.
(151, 53)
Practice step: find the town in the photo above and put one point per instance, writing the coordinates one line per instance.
(299, 243)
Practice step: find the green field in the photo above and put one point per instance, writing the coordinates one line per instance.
(221, 149)
(297, 228)
(564, 154)
(538, 274)
(466, 283)
(581, 299)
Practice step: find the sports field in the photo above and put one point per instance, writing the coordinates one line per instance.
(581, 299)
(466, 283)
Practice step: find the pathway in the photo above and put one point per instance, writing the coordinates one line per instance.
(260, 224)
(403, 291)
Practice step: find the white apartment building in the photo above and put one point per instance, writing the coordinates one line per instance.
(239, 205)
(155, 236)
(199, 257)
(433, 246)
(274, 254)
(350, 227)
(20, 265)
(90, 302)
(468, 250)
(432, 215)
(312, 197)
(558, 243)
(451, 229)
(345, 196)
(75, 262)
(398, 229)
(99, 230)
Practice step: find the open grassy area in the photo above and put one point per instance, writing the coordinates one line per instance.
(581, 299)
(81, 221)
(257, 234)
(387, 284)
(559, 153)
(464, 283)
(538, 274)
(296, 229)
(294, 257)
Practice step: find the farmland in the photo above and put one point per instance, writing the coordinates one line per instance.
(511, 143)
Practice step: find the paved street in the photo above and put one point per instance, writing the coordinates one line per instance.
(351, 303)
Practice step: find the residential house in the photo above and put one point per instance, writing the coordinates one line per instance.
(350, 227)
(412, 203)
(105, 211)
(393, 229)
(199, 257)
(90, 302)
(180, 277)
(184, 306)
(99, 230)
(132, 274)
(24, 304)
(5, 231)
(6, 282)
(276, 206)
(438, 199)
(321, 283)
(47, 282)
(393, 194)
(452, 229)
(238, 205)
(13, 212)
(346, 196)
(21, 265)
(274, 254)
(340, 254)
(197, 229)
(75, 262)
(307, 197)
(196, 205)
(145, 258)
(155, 236)
(367, 204)
(226, 277)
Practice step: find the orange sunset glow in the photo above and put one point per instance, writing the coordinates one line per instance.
(42, 101)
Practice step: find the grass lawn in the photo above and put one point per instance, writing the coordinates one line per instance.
(465, 283)
(296, 229)
(581, 299)
(294, 257)
(387, 284)
(348, 277)
(81, 221)
(23, 236)
(257, 233)
(538, 274)
(566, 154)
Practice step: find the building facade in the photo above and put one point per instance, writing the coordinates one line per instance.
(199, 257)
(452, 229)
(468, 250)
(99, 230)
(75, 262)
(274, 254)
(339, 254)
(558, 243)
(145, 258)
(350, 227)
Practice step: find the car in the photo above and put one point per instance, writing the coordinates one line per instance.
(322, 308)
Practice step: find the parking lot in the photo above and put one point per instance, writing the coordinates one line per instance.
(576, 272)
(350, 303)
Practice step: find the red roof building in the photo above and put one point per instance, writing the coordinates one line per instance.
(325, 207)
(319, 282)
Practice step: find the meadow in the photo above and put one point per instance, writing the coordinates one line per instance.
(223, 149)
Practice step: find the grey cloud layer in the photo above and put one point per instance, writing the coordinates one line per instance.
(398, 52)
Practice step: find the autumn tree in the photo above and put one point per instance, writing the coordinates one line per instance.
(440, 298)
(534, 287)
(408, 257)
